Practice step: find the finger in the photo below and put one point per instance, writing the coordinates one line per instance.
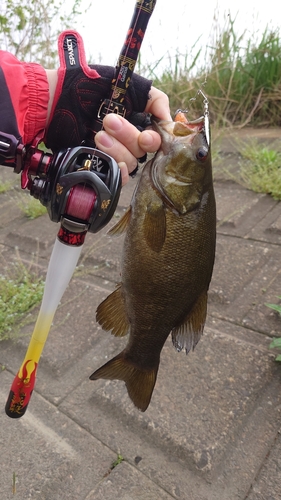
(116, 149)
(124, 132)
(149, 141)
(138, 143)
(124, 172)
(158, 104)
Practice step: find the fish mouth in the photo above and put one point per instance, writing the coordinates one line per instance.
(181, 127)
(202, 124)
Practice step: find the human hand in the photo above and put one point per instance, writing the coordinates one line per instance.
(77, 98)
(124, 142)
(76, 92)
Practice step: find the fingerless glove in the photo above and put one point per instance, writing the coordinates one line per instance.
(79, 93)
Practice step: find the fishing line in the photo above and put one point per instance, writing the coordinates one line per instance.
(127, 42)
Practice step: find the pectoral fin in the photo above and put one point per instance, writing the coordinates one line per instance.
(111, 314)
(155, 226)
(188, 333)
(121, 225)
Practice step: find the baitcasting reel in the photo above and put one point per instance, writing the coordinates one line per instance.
(79, 186)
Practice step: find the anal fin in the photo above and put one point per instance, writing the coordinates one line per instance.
(187, 334)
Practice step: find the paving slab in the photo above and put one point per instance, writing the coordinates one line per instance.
(246, 277)
(229, 140)
(47, 456)
(200, 409)
(9, 209)
(268, 482)
(240, 211)
(269, 227)
(212, 430)
(74, 341)
(130, 484)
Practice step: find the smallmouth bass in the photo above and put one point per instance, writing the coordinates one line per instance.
(167, 258)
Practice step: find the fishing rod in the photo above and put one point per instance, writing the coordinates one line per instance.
(80, 188)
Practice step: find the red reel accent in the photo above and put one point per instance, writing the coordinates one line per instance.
(70, 238)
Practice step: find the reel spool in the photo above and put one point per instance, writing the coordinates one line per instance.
(80, 188)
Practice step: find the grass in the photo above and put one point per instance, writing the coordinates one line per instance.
(118, 461)
(276, 342)
(21, 290)
(6, 186)
(14, 490)
(30, 207)
(261, 169)
(239, 72)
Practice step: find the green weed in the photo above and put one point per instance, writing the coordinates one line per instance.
(275, 307)
(31, 207)
(276, 342)
(116, 462)
(5, 186)
(261, 169)
(239, 72)
(21, 289)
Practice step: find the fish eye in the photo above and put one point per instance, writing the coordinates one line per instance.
(202, 154)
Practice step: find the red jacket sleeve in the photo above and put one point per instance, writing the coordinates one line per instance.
(23, 99)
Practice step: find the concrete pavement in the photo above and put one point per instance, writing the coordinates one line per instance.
(211, 431)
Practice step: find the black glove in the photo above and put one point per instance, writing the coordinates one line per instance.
(79, 93)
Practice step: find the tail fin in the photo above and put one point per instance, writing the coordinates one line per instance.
(140, 383)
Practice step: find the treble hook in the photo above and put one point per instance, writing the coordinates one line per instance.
(206, 112)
